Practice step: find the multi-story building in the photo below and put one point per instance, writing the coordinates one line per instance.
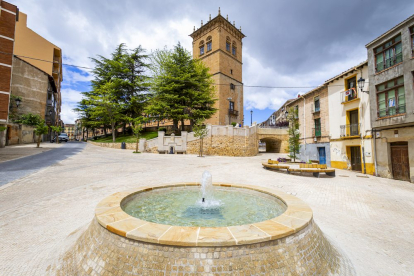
(36, 50)
(349, 121)
(313, 114)
(390, 70)
(218, 44)
(9, 15)
(278, 118)
(70, 131)
(37, 92)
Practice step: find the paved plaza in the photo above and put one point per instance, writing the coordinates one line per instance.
(42, 214)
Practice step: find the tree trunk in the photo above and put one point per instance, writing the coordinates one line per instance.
(175, 125)
(38, 140)
(136, 148)
(113, 132)
(123, 128)
(201, 147)
(182, 124)
(105, 131)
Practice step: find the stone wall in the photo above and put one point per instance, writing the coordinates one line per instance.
(225, 146)
(100, 252)
(19, 134)
(143, 145)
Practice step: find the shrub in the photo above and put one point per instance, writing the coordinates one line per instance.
(162, 129)
(234, 124)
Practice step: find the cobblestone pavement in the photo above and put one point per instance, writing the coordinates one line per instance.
(370, 219)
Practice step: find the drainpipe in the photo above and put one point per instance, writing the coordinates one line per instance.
(375, 151)
(304, 124)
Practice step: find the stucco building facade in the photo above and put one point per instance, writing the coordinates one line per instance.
(350, 121)
(391, 69)
(218, 43)
(36, 50)
(313, 116)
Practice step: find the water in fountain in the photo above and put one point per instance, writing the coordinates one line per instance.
(207, 191)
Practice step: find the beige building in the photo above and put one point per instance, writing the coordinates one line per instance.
(218, 43)
(313, 115)
(36, 50)
(69, 129)
(350, 121)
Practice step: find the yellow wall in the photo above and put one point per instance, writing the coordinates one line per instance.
(30, 44)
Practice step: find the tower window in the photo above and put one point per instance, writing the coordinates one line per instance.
(228, 44)
(209, 44)
(233, 49)
(232, 86)
(231, 71)
(201, 45)
(231, 106)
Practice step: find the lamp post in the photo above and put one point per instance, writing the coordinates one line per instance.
(251, 117)
(17, 102)
(229, 99)
(286, 114)
(361, 84)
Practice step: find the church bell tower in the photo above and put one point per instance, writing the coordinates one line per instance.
(218, 43)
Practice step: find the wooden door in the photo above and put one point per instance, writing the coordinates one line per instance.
(400, 162)
(354, 124)
(322, 156)
(356, 159)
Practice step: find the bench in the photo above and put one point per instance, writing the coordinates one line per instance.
(273, 164)
(315, 169)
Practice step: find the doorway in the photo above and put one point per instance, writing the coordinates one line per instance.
(322, 155)
(400, 162)
(356, 159)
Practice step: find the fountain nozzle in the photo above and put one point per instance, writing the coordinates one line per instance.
(203, 199)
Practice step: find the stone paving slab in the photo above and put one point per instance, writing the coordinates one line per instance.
(19, 151)
(371, 220)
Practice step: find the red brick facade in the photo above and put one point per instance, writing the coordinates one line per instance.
(8, 17)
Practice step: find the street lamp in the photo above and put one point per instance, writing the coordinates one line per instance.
(361, 84)
(286, 114)
(229, 99)
(18, 102)
(251, 117)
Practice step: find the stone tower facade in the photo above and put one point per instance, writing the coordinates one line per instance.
(218, 43)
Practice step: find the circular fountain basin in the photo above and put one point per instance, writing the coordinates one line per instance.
(165, 215)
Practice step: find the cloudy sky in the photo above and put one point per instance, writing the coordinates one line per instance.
(295, 43)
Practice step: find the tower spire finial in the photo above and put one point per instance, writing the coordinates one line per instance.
(219, 11)
(210, 17)
(227, 17)
(234, 23)
(201, 23)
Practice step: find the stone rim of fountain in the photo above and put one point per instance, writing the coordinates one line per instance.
(110, 215)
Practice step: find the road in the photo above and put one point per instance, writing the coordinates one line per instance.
(16, 169)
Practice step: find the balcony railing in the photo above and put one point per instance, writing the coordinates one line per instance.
(389, 62)
(390, 111)
(349, 95)
(317, 131)
(350, 130)
(315, 109)
(233, 112)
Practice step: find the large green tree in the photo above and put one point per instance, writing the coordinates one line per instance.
(181, 87)
(106, 107)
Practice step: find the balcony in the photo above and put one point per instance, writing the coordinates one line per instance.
(233, 112)
(55, 71)
(389, 62)
(350, 130)
(315, 109)
(349, 95)
(391, 111)
(317, 131)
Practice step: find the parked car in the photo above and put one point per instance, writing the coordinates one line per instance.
(63, 137)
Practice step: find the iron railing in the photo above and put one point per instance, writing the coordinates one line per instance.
(400, 109)
(233, 112)
(350, 130)
(389, 62)
(315, 109)
(349, 95)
